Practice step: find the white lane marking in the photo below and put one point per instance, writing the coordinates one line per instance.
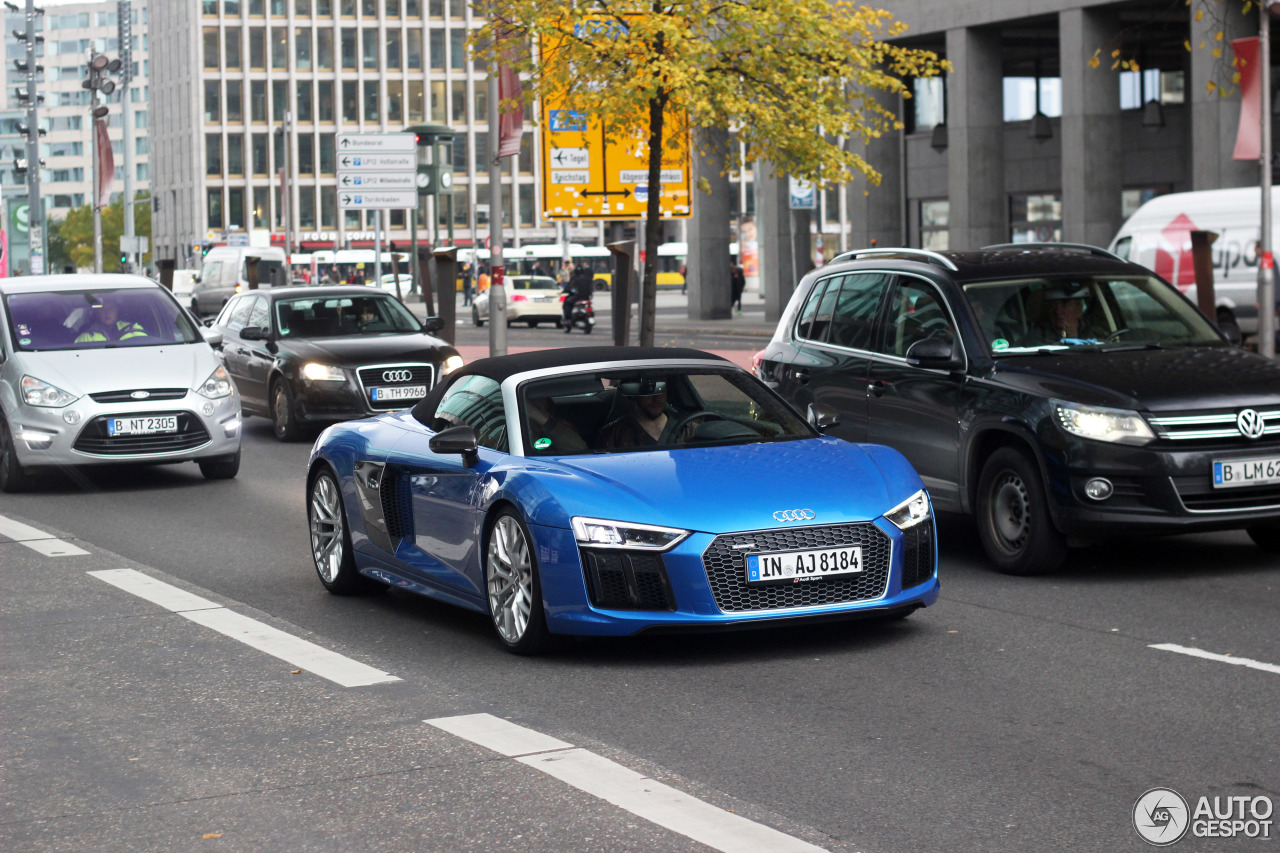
(1201, 653)
(37, 540)
(301, 653)
(644, 797)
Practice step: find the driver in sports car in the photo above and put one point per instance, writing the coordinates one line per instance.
(650, 422)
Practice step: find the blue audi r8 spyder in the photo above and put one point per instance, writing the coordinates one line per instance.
(609, 491)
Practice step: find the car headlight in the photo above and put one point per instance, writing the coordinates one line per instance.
(217, 386)
(910, 512)
(623, 534)
(1120, 426)
(323, 372)
(451, 364)
(37, 392)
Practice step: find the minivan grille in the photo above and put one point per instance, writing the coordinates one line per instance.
(127, 396)
(95, 439)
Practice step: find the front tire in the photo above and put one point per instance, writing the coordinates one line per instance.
(284, 414)
(13, 477)
(330, 539)
(1266, 536)
(515, 593)
(1013, 517)
(475, 318)
(220, 467)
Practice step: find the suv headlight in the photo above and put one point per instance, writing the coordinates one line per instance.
(623, 534)
(217, 386)
(37, 392)
(910, 512)
(1120, 426)
(317, 372)
(451, 364)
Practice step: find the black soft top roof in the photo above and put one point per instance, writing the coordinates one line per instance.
(504, 366)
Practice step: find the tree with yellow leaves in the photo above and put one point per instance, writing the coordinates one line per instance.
(788, 76)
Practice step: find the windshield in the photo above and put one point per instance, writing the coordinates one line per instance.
(658, 409)
(331, 316)
(97, 319)
(1086, 312)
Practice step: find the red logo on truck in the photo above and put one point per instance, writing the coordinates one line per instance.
(1173, 253)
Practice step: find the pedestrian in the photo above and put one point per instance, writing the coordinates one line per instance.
(467, 292)
(482, 281)
(737, 282)
(684, 279)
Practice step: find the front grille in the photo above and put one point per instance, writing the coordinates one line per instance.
(627, 580)
(127, 396)
(917, 555)
(1216, 428)
(95, 439)
(1199, 495)
(727, 568)
(397, 509)
(370, 377)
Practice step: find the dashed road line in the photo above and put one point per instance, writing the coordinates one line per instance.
(301, 653)
(1231, 659)
(37, 540)
(644, 797)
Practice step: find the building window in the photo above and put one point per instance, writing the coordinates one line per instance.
(928, 103)
(369, 8)
(351, 218)
(235, 207)
(935, 220)
(413, 8)
(438, 102)
(350, 102)
(324, 48)
(324, 101)
(369, 45)
(459, 101)
(302, 47)
(348, 48)
(328, 207)
(211, 47)
(302, 8)
(258, 101)
(481, 152)
(1020, 97)
(417, 106)
(257, 8)
(233, 49)
(306, 155)
(214, 209)
(259, 154)
(279, 48)
(1135, 197)
(279, 99)
(1035, 218)
(304, 113)
(327, 154)
(437, 50)
(1151, 84)
(371, 101)
(235, 106)
(257, 48)
(348, 8)
(457, 49)
(261, 207)
(395, 102)
(393, 50)
(413, 50)
(212, 102)
(481, 105)
(235, 154)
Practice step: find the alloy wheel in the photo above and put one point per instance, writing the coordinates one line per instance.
(510, 579)
(327, 529)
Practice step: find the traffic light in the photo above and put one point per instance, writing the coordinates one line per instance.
(205, 247)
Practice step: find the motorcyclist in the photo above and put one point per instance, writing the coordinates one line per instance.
(577, 289)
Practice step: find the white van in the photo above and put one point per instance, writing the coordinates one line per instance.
(225, 273)
(1158, 236)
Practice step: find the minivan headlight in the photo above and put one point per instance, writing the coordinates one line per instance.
(622, 534)
(37, 392)
(1119, 426)
(217, 386)
(910, 512)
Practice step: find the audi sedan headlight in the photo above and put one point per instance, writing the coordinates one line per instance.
(451, 364)
(623, 534)
(323, 372)
(37, 392)
(1119, 426)
(910, 512)
(217, 386)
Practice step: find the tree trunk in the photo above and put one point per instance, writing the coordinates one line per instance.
(653, 216)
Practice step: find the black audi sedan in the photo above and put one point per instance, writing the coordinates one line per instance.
(311, 356)
(1059, 394)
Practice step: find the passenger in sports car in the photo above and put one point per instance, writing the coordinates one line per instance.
(551, 432)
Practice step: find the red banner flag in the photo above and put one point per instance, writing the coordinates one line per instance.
(1249, 134)
(510, 120)
(106, 163)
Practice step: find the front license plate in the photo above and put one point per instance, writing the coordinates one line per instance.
(1246, 472)
(399, 392)
(142, 426)
(804, 565)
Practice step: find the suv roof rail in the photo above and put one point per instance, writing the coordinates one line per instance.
(914, 254)
(1078, 247)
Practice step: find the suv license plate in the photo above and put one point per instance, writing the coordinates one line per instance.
(401, 392)
(1246, 472)
(804, 565)
(142, 426)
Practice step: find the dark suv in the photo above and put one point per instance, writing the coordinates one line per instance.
(1056, 392)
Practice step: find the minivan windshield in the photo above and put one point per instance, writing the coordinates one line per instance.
(98, 319)
(1086, 312)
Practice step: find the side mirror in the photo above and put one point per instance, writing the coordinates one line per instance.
(431, 325)
(822, 417)
(253, 333)
(212, 337)
(933, 353)
(456, 439)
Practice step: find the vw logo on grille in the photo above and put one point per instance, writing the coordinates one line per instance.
(140, 395)
(397, 375)
(795, 515)
(1250, 424)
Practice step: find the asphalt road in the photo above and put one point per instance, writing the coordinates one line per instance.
(1018, 714)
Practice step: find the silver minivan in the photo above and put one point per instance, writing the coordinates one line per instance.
(109, 369)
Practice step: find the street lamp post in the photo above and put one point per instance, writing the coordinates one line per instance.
(1266, 261)
(97, 83)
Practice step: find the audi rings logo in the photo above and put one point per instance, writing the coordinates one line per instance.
(1250, 424)
(795, 515)
(397, 375)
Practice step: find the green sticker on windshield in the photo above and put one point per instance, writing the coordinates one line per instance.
(542, 443)
(999, 344)
(24, 341)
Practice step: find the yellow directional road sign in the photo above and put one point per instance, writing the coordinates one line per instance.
(586, 176)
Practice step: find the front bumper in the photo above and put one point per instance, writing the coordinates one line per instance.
(693, 604)
(323, 402)
(45, 437)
